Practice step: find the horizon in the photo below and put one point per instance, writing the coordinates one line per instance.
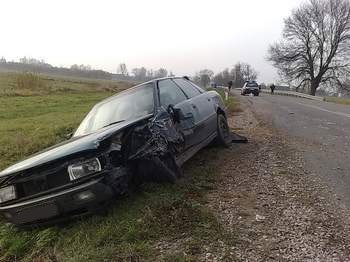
(213, 35)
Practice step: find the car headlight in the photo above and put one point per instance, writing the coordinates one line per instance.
(7, 194)
(84, 168)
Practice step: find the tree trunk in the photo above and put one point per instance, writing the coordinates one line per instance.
(314, 85)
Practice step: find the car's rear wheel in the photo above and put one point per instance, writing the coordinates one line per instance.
(223, 131)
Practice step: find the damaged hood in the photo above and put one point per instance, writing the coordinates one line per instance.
(70, 147)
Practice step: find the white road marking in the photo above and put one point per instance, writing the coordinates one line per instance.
(325, 110)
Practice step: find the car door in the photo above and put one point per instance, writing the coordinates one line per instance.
(170, 94)
(203, 109)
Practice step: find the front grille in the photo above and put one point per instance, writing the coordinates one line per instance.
(42, 183)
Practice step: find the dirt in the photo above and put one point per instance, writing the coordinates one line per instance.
(266, 197)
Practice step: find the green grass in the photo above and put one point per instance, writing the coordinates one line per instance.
(338, 100)
(136, 225)
(28, 124)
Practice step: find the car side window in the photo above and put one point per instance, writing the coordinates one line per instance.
(170, 93)
(187, 87)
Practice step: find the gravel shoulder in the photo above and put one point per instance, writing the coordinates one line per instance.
(266, 197)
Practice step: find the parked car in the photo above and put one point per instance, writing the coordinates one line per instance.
(144, 133)
(250, 87)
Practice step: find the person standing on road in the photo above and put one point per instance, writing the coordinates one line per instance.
(229, 84)
(272, 88)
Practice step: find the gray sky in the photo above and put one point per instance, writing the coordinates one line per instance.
(183, 35)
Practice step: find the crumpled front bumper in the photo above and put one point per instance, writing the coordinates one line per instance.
(83, 198)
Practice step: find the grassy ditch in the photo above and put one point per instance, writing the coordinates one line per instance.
(338, 100)
(157, 222)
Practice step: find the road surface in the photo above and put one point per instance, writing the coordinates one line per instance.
(321, 131)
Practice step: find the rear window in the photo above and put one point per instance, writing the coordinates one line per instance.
(252, 85)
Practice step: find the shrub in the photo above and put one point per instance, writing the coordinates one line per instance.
(30, 81)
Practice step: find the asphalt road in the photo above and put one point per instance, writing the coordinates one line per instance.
(321, 132)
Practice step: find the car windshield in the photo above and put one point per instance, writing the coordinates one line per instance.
(132, 104)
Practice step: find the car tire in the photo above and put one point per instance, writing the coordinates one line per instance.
(223, 131)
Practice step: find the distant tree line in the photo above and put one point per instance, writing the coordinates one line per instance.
(238, 74)
(28, 64)
(141, 73)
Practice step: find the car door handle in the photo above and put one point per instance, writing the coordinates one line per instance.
(209, 99)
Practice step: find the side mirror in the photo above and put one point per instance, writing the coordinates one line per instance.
(174, 113)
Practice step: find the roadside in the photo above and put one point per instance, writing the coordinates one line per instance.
(156, 222)
(275, 208)
(338, 100)
(249, 202)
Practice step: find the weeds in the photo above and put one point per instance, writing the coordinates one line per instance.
(30, 81)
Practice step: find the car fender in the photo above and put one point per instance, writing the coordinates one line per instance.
(217, 102)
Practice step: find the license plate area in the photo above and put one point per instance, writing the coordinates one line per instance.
(33, 213)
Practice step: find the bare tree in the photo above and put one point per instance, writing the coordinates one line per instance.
(122, 69)
(315, 48)
(204, 77)
(161, 72)
(247, 72)
(140, 73)
(240, 73)
(150, 74)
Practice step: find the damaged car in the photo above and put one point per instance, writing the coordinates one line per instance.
(145, 133)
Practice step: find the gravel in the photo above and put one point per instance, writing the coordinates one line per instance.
(266, 197)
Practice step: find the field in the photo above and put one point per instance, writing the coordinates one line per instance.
(43, 112)
(137, 227)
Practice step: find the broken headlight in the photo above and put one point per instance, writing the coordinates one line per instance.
(7, 194)
(85, 168)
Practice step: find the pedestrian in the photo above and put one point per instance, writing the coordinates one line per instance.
(229, 84)
(272, 88)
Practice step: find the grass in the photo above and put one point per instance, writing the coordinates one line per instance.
(28, 124)
(338, 100)
(173, 218)
(155, 214)
(29, 84)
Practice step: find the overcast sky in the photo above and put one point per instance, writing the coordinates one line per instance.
(183, 35)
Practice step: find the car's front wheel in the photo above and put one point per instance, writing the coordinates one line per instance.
(223, 130)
